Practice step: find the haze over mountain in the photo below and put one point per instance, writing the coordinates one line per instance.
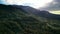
(41, 13)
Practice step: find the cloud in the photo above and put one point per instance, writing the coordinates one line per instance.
(53, 6)
(32, 3)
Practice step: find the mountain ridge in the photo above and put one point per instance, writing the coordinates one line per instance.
(16, 21)
(42, 13)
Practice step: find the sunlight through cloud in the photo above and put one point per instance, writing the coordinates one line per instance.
(32, 3)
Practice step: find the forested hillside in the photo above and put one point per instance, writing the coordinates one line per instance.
(16, 21)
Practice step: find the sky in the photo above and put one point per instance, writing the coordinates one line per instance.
(50, 5)
(53, 6)
(32, 3)
(2, 2)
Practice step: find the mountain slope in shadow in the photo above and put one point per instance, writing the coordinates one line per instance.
(14, 20)
(51, 20)
(42, 13)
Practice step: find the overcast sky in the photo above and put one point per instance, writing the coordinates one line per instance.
(51, 5)
(32, 3)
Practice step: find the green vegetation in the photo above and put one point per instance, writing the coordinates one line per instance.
(16, 21)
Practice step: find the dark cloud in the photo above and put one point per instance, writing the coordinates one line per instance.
(55, 5)
(57, 0)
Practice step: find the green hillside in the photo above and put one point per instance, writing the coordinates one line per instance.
(16, 21)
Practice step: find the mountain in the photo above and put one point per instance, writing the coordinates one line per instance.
(42, 13)
(51, 20)
(48, 15)
(27, 9)
(16, 20)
